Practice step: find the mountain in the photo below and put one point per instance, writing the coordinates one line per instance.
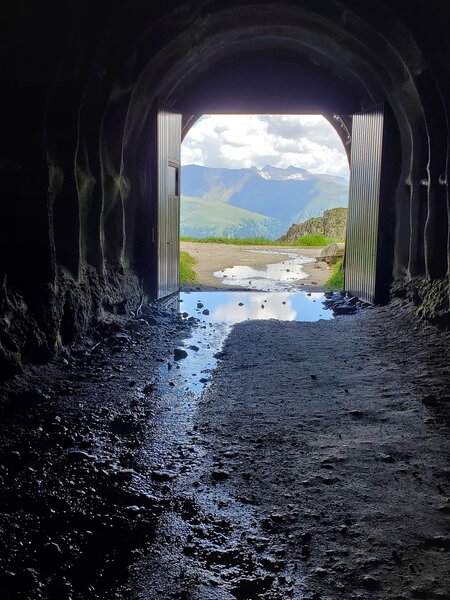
(202, 218)
(254, 202)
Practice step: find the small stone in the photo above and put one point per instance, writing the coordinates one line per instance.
(179, 353)
(387, 458)
(219, 475)
(355, 413)
(125, 474)
(161, 476)
(205, 312)
(78, 456)
(306, 551)
(371, 583)
(52, 551)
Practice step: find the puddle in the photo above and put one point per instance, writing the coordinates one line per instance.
(218, 311)
(273, 277)
(234, 307)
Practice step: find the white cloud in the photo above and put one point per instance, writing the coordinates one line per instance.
(237, 141)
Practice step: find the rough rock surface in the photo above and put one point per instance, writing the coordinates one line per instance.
(331, 225)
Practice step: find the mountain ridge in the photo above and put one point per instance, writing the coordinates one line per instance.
(284, 196)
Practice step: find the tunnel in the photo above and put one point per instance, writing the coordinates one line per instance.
(335, 447)
(81, 88)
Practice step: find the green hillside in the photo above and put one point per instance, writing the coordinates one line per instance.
(204, 218)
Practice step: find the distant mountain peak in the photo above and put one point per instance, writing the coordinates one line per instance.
(279, 174)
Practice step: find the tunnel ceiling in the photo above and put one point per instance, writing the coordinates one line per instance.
(80, 83)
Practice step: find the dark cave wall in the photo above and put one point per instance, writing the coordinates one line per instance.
(80, 82)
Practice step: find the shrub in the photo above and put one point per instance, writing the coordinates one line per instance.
(336, 279)
(313, 239)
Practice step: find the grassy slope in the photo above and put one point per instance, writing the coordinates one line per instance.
(218, 218)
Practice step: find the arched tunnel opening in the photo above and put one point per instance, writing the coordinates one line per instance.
(263, 203)
(149, 454)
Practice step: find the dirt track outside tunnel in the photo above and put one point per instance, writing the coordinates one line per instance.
(313, 465)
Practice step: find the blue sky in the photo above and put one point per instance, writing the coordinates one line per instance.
(237, 141)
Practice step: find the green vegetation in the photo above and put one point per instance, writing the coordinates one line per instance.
(336, 279)
(205, 218)
(187, 273)
(313, 239)
(259, 241)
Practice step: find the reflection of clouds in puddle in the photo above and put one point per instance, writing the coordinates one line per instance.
(223, 306)
(313, 296)
(251, 309)
(269, 277)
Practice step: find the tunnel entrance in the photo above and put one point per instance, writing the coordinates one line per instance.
(370, 223)
(262, 187)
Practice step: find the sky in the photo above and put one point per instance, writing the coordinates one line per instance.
(237, 141)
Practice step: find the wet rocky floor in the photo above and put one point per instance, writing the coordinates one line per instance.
(180, 456)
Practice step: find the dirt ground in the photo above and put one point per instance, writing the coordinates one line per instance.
(314, 464)
(215, 257)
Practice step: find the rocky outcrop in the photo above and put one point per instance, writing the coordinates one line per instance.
(331, 225)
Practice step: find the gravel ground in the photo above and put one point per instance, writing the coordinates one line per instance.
(337, 433)
(314, 465)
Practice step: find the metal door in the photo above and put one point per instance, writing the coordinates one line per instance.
(168, 203)
(362, 254)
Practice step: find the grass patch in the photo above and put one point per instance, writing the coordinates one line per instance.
(234, 241)
(187, 273)
(313, 239)
(336, 279)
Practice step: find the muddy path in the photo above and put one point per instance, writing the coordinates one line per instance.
(299, 460)
(211, 258)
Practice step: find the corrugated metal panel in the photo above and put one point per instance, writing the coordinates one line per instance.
(168, 231)
(361, 253)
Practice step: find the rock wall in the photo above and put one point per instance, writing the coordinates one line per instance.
(331, 224)
(80, 85)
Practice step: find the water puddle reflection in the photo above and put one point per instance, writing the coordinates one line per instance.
(213, 315)
(216, 312)
(273, 277)
(233, 307)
